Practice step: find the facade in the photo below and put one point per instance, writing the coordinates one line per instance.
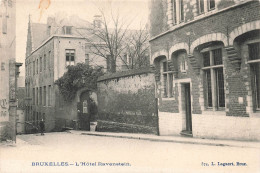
(50, 49)
(206, 60)
(20, 118)
(8, 70)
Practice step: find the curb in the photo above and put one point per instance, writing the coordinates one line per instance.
(170, 140)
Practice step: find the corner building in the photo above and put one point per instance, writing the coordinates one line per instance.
(206, 58)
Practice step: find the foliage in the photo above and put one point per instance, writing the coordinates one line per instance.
(77, 77)
(6, 133)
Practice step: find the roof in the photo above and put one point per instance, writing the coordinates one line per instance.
(39, 34)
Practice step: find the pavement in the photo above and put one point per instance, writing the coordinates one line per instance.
(174, 139)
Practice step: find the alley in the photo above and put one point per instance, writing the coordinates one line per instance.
(83, 153)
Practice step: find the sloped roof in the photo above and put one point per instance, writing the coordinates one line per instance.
(39, 34)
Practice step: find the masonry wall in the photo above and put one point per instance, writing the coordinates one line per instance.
(231, 29)
(126, 102)
(37, 80)
(7, 71)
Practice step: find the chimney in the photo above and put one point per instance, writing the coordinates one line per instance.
(97, 21)
(50, 23)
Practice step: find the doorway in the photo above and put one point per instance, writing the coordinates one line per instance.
(84, 115)
(186, 108)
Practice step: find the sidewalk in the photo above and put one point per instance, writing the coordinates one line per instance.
(175, 139)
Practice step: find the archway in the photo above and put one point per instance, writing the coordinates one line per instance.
(87, 109)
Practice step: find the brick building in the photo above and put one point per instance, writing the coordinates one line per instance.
(206, 59)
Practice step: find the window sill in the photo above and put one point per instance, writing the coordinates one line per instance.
(253, 61)
(170, 98)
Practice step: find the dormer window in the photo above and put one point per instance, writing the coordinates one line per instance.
(67, 30)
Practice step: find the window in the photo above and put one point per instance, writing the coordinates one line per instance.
(177, 11)
(183, 64)
(254, 61)
(37, 66)
(87, 59)
(109, 63)
(174, 11)
(256, 85)
(67, 30)
(40, 94)
(49, 95)
(70, 57)
(254, 51)
(167, 78)
(125, 58)
(211, 4)
(33, 67)
(49, 60)
(205, 6)
(33, 99)
(213, 78)
(44, 95)
(40, 64)
(37, 96)
(181, 11)
(44, 62)
(200, 6)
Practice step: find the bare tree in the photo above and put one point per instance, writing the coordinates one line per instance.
(108, 42)
(137, 48)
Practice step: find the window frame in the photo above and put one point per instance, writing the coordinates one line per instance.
(178, 14)
(209, 1)
(40, 64)
(252, 63)
(66, 62)
(67, 30)
(199, 6)
(215, 86)
(183, 64)
(166, 80)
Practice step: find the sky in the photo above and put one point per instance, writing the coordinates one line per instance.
(135, 11)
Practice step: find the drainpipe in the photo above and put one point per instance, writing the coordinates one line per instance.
(157, 116)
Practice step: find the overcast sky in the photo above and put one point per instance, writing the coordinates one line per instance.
(136, 11)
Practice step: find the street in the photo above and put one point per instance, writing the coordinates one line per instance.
(70, 152)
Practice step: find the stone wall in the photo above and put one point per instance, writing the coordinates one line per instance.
(126, 102)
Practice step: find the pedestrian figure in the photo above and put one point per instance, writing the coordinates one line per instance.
(42, 126)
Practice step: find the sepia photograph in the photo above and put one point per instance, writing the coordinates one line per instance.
(130, 86)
